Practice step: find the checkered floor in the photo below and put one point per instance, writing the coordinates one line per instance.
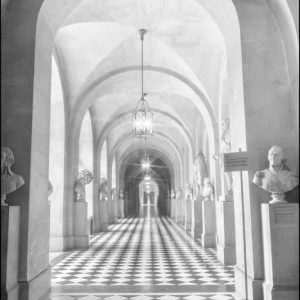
(220, 296)
(138, 252)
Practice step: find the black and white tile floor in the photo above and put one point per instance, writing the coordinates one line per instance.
(143, 258)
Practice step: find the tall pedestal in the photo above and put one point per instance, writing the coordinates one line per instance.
(280, 227)
(114, 211)
(10, 226)
(120, 204)
(188, 214)
(197, 218)
(103, 215)
(225, 231)
(109, 212)
(81, 237)
(179, 215)
(173, 209)
(209, 224)
(168, 208)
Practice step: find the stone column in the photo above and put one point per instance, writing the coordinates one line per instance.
(280, 229)
(81, 237)
(10, 227)
(197, 218)
(208, 237)
(225, 231)
(103, 215)
(188, 214)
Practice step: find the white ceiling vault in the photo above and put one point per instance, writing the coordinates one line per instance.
(98, 52)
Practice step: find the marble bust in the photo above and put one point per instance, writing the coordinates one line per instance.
(113, 194)
(178, 193)
(173, 195)
(277, 179)
(103, 189)
(10, 181)
(189, 191)
(121, 195)
(208, 189)
(84, 178)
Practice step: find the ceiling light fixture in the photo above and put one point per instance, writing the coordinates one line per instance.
(142, 116)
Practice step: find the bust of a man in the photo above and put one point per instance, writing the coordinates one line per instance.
(208, 189)
(121, 195)
(10, 181)
(276, 179)
(84, 178)
(113, 194)
(189, 191)
(173, 195)
(178, 193)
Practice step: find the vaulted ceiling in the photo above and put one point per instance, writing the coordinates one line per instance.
(98, 52)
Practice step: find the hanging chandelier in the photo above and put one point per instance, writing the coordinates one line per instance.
(142, 116)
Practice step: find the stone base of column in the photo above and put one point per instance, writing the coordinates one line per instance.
(197, 219)
(60, 244)
(225, 232)
(280, 227)
(10, 230)
(255, 291)
(226, 254)
(81, 237)
(103, 215)
(37, 288)
(208, 237)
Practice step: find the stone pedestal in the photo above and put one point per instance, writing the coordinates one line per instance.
(173, 209)
(10, 227)
(81, 237)
(188, 214)
(280, 227)
(225, 232)
(103, 215)
(208, 237)
(180, 208)
(197, 219)
(120, 209)
(114, 211)
(168, 208)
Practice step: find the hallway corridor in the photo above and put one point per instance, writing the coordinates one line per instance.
(146, 257)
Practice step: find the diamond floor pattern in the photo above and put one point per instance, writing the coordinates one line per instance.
(149, 252)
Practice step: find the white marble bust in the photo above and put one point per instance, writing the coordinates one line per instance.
(277, 179)
(189, 191)
(121, 195)
(173, 195)
(10, 181)
(208, 189)
(84, 178)
(178, 193)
